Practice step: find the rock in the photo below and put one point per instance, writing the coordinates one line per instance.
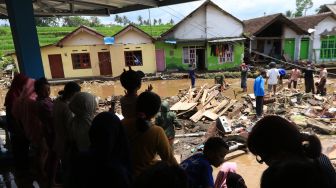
(320, 127)
(299, 120)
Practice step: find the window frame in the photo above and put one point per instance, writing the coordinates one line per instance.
(81, 60)
(328, 51)
(132, 57)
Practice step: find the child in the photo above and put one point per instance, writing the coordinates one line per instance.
(198, 167)
(168, 121)
(259, 92)
(244, 71)
(192, 75)
(131, 81)
(295, 74)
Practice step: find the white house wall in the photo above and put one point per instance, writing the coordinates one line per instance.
(327, 24)
(289, 33)
(132, 37)
(83, 38)
(193, 27)
(221, 25)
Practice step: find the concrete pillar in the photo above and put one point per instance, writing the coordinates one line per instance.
(297, 47)
(21, 19)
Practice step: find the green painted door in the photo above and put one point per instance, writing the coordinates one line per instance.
(304, 49)
(289, 48)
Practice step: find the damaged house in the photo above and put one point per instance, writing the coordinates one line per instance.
(276, 36)
(209, 37)
(322, 41)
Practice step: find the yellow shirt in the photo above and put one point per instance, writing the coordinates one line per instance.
(145, 145)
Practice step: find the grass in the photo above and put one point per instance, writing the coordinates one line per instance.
(50, 35)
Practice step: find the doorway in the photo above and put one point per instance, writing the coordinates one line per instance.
(160, 60)
(200, 61)
(56, 66)
(105, 66)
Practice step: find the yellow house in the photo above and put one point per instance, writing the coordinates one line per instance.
(133, 47)
(82, 53)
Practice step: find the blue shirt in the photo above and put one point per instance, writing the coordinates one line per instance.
(199, 171)
(258, 87)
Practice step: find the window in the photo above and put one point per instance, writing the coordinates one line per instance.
(133, 58)
(189, 54)
(224, 53)
(328, 47)
(81, 61)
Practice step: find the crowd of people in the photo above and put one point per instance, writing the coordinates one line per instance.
(274, 77)
(65, 141)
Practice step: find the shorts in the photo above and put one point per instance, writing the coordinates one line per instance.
(270, 86)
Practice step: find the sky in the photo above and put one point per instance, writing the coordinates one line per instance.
(242, 9)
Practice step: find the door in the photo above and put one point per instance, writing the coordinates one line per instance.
(289, 48)
(105, 66)
(160, 60)
(304, 49)
(200, 62)
(56, 66)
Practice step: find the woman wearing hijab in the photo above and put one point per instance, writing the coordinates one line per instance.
(146, 139)
(19, 142)
(63, 116)
(84, 106)
(108, 162)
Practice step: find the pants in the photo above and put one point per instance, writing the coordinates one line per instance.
(259, 105)
(294, 84)
(193, 79)
(309, 84)
(320, 87)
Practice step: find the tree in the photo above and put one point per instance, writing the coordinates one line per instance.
(289, 13)
(118, 19)
(159, 21)
(46, 21)
(140, 20)
(125, 20)
(302, 6)
(75, 21)
(171, 22)
(154, 22)
(95, 22)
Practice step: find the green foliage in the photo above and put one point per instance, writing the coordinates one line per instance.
(2, 32)
(75, 21)
(289, 13)
(5, 61)
(50, 35)
(302, 6)
(47, 21)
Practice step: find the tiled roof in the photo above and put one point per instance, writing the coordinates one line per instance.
(255, 25)
(306, 22)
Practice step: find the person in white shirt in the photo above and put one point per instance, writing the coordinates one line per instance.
(321, 85)
(273, 76)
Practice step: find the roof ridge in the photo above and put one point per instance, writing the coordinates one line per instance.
(313, 15)
(276, 14)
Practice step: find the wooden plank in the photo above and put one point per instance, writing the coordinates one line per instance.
(214, 87)
(236, 110)
(227, 107)
(220, 106)
(199, 94)
(210, 114)
(211, 96)
(205, 93)
(197, 116)
(181, 106)
(251, 96)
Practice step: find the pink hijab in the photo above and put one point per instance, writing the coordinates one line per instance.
(24, 110)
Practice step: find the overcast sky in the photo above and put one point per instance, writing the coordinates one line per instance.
(242, 9)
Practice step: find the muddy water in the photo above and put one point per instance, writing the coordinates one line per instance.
(247, 165)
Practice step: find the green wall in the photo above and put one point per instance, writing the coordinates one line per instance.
(213, 60)
(175, 61)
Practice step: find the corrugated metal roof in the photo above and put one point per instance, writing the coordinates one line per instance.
(90, 7)
(227, 40)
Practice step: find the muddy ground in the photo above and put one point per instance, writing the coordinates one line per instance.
(184, 147)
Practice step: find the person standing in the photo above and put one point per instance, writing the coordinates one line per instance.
(259, 92)
(295, 74)
(243, 73)
(273, 75)
(192, 75)
(321, 85)
(309, 78)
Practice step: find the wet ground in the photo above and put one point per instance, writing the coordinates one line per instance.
(247, 165)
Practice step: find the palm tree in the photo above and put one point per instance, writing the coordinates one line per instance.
(155, 21)
(160, 21)
(140, 20)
